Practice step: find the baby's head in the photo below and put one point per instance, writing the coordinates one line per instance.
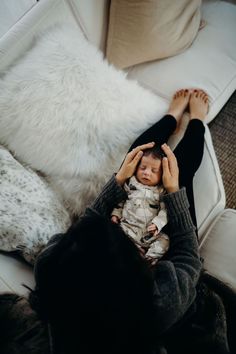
(149, 170)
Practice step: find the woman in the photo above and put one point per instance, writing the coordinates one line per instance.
(94, 275)
(94, 289)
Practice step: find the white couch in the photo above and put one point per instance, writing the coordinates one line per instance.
(210, 63)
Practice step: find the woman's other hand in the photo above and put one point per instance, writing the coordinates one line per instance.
(130, 163)
(115, 219)
(170, 177)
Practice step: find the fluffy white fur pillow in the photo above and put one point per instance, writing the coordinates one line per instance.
(68, 113)
(30, 212)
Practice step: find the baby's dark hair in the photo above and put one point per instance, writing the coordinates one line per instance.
(155, 152)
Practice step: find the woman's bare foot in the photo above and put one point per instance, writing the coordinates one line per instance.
(198, 104)
(179, 103)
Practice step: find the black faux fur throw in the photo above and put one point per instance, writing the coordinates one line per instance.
(209, 329)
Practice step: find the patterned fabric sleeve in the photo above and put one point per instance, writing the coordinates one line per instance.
(161, 219)
(118, 210)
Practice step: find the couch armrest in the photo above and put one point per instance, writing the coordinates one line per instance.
(218, 248)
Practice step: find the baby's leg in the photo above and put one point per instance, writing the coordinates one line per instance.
(161, 131)
(159, 247)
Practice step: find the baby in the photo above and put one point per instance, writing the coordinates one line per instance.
(142, 216)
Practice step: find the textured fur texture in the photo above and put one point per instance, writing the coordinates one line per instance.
(30, 212)
(68, 113)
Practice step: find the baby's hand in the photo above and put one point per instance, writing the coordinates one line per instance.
(152, 228)
(115, 219)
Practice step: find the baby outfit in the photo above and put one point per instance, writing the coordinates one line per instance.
(142, 208)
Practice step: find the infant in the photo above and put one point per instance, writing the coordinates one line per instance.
(143, 215)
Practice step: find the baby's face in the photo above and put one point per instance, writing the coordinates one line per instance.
(149, 171)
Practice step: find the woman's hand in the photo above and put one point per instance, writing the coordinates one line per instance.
(170, 176)
(130, 163)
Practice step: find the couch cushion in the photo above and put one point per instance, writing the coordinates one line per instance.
(13, 273)
(208, 187)
(141, 31)
(210, 62)
(218, 248)
(30, 212)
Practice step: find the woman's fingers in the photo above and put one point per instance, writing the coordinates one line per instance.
(130, 163)
(136, 150)
(170, 170)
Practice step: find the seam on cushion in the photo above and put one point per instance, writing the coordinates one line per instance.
(225, 211)
(224, 89)
(77, 17)
(145, 85)
(165, 97)
(218, 185)
(27, 33)
(20, 18)
(25, 15)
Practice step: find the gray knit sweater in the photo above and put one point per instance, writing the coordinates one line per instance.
(176, 276)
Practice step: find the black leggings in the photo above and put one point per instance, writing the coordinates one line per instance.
(188, 152)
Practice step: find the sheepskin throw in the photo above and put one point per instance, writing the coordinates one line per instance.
(30, 212)
(69, 114)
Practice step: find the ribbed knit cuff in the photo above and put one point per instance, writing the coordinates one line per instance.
(177, 206)
(175, 202)
(111, 194)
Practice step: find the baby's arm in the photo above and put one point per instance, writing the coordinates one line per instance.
(117, 213)
(161, 219)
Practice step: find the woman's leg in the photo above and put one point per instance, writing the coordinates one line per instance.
(189, 151)
(161, 131)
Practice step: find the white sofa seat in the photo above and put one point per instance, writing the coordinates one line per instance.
(13, 273)
(218, 248)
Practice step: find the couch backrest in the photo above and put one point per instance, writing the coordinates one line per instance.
(90, 15)
(93, 18)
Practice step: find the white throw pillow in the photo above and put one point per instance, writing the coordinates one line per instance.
(68, 113)
(30, 212)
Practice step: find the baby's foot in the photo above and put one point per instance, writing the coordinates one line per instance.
(198, 104)
(179, 103)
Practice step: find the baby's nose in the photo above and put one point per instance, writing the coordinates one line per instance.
(147, 172)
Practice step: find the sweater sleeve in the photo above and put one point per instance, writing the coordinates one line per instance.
(175, 278)
(110, 196)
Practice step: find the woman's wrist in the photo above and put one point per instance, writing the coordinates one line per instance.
(120, 179)
(172, 189)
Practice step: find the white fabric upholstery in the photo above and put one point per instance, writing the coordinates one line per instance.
(14, 273)
(218, 248)
(208, 188)
(43, 15)
(93, 18)
(11, 11)
(209, 63)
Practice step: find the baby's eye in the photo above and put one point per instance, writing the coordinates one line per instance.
(155, 170)
(142, 167)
